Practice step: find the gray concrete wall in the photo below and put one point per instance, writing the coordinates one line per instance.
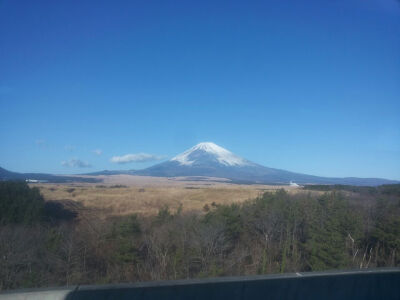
(358, 284)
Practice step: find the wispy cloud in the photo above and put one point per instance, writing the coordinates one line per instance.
(98, 151)
(70, 148)
(75, 163)
(40, 142)
(138, 157)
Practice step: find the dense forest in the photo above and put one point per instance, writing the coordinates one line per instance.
(43, 243)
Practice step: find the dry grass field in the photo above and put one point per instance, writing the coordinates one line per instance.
(125, 194)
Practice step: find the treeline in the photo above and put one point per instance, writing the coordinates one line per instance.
(19, 204)
(385, 189)
(277, 232)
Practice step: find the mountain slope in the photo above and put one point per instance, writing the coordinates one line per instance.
(8, 175)
(209, 159)
(109, 172)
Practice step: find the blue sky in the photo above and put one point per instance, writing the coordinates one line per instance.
(307, 86)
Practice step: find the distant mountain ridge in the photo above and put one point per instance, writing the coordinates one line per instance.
(209, 160)
(8, 175)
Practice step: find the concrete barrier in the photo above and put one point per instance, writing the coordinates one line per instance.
(358, 284)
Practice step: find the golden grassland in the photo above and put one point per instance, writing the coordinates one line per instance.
(125, 194)
(148, 200)
(122, 195)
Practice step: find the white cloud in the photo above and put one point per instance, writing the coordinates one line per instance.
(69, 148)
(98, 151)
(139, 157)
(75, 163)
(40, 142)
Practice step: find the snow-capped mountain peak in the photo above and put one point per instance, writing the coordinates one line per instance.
(210, 160)
(196, 153)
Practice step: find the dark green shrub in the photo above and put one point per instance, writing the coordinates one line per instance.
(19, 203)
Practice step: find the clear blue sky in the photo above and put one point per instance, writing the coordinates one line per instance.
(307, 86)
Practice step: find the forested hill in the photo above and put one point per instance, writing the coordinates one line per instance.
(274, 233)
(385, 189)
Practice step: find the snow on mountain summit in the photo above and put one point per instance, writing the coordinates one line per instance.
(222, 155)
(212, 161)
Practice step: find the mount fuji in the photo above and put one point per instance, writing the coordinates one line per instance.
(206, 160)
(211, 160)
